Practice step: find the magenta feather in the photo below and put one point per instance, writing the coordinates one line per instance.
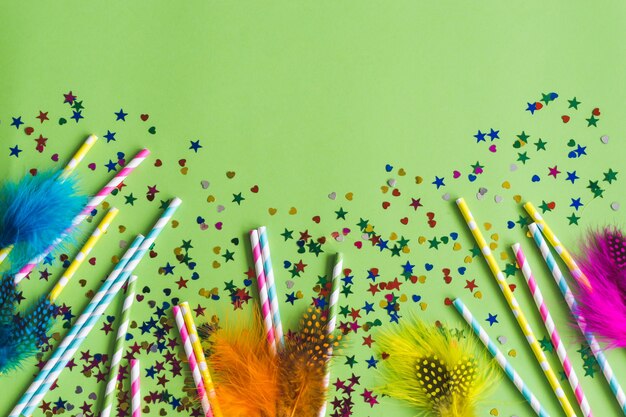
(603, 306)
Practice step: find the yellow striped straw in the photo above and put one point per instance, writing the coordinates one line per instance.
(557, 245)
(4, 252)
(515, 308)
(200, 358)
(83, 253)
(78, 156)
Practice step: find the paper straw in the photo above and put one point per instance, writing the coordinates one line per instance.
(546, 317)
(500, 358)
(606, 368)
(557, 245)
(4, 253)
(60, 350)
(200, 359)
(118, 350)
(271, 286)
(67, 171)
(263, 291)
(130, 266)
(83, 253)
(333, 305)
(515, 308)
(91, 205)
(191, 359)
(135, 388)
(78, 156)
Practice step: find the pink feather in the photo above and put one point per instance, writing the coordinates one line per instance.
(603, 307)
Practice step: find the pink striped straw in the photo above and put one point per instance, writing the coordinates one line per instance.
(263, 290)
(551, 328)
(91, 205)
(135, 388)
(191, 358)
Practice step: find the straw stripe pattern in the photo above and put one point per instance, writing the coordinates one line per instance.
(191, 358)
(79, 339)
(559, 346)
(83, 253)
(271, 287)
(91, 205)
(606, 368)
(517, 311)
(128, 268)
(263, 291)
(60, 350)
(556, 244)
(118, 350)
(200, 359)
(500, 358)
(135, 388)
(333, 304)
(78, 156)
(4, 252)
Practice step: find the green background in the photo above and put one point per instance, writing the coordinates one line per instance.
(306, 99)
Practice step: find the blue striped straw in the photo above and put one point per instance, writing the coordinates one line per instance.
(500, 358)
(560, 280)
(271, 286)
(95, 315)
(58, 353)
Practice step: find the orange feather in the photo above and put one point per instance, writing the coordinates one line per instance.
(244, 370)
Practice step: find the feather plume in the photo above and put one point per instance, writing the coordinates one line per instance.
(603, 307)
(251, 381)
(434, 369)
(34, 211)
(244, 369)
(302, 366)
(21, 338)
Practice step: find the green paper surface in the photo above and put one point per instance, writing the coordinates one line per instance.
(310, 102)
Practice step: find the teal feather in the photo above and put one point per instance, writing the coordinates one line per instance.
(34, 211)
(22, 337)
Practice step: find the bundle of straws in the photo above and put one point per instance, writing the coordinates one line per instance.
(586, 284)
(20, 335)
(38, 214)
(287, 376)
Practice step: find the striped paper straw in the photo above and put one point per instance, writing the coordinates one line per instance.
(263, 292)
(515, 308)
(191, 358)
(83, 253)
(271, 286)
(200, 359)
(135, 388)
(78, 156)
(130, 266)
(500, 358)
(604, 364)
(4, 252)
(557, 245)
(91, 205)
(333, 305)
(561, 352)
(60, 350)
(118, 350)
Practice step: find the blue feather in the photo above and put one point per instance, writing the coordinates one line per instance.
(22, 338)
(34, 211)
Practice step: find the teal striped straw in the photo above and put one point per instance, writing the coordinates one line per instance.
(560, 280)
(60, 350)
(95, 315)
(271, 286)
(500, 358)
